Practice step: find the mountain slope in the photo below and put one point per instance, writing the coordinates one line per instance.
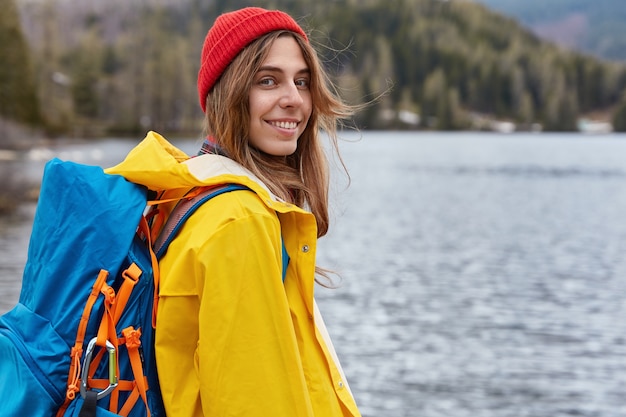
(596, 27)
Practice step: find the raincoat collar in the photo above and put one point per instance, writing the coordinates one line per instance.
(159, 165)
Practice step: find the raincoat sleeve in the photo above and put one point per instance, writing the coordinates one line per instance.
(247, 355)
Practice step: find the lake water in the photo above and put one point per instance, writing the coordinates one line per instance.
(483, 275)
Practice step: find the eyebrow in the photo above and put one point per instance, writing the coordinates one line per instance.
(271, 68)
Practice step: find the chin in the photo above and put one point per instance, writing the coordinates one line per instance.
(284, 150)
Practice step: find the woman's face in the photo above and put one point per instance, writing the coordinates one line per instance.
(280, 99)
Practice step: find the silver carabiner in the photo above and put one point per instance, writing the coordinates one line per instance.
(113, 380)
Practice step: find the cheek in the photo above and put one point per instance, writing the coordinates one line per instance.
(259, 104)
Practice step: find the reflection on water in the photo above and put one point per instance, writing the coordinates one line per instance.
(483, 275)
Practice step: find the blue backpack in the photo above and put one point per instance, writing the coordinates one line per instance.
(80, 341)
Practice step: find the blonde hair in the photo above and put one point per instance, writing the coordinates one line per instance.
(303, 177)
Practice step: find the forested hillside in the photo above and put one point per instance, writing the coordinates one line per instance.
(115, 66)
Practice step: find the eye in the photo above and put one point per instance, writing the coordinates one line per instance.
(267, 82)
(302, 83)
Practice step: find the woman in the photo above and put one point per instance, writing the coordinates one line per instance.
(234, 336)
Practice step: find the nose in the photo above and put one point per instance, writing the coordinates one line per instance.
(291, 96)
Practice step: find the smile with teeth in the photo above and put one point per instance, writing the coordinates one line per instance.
(284, 125)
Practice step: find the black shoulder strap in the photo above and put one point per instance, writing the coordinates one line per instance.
(183, 210)
(89, 405)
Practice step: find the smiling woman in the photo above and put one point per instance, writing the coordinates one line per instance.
(280, 100)
(238, 330)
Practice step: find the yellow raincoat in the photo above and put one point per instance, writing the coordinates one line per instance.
(232, 339)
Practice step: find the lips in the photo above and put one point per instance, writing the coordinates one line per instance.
(284, 124)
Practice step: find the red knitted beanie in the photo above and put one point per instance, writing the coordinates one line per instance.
(230, 34)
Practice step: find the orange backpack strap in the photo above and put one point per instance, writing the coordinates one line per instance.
(133, 343)
(77, 350)
(79, 378)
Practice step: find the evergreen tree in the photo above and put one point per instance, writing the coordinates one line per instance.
(87, 74)
(18, 98)
(619, 117)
